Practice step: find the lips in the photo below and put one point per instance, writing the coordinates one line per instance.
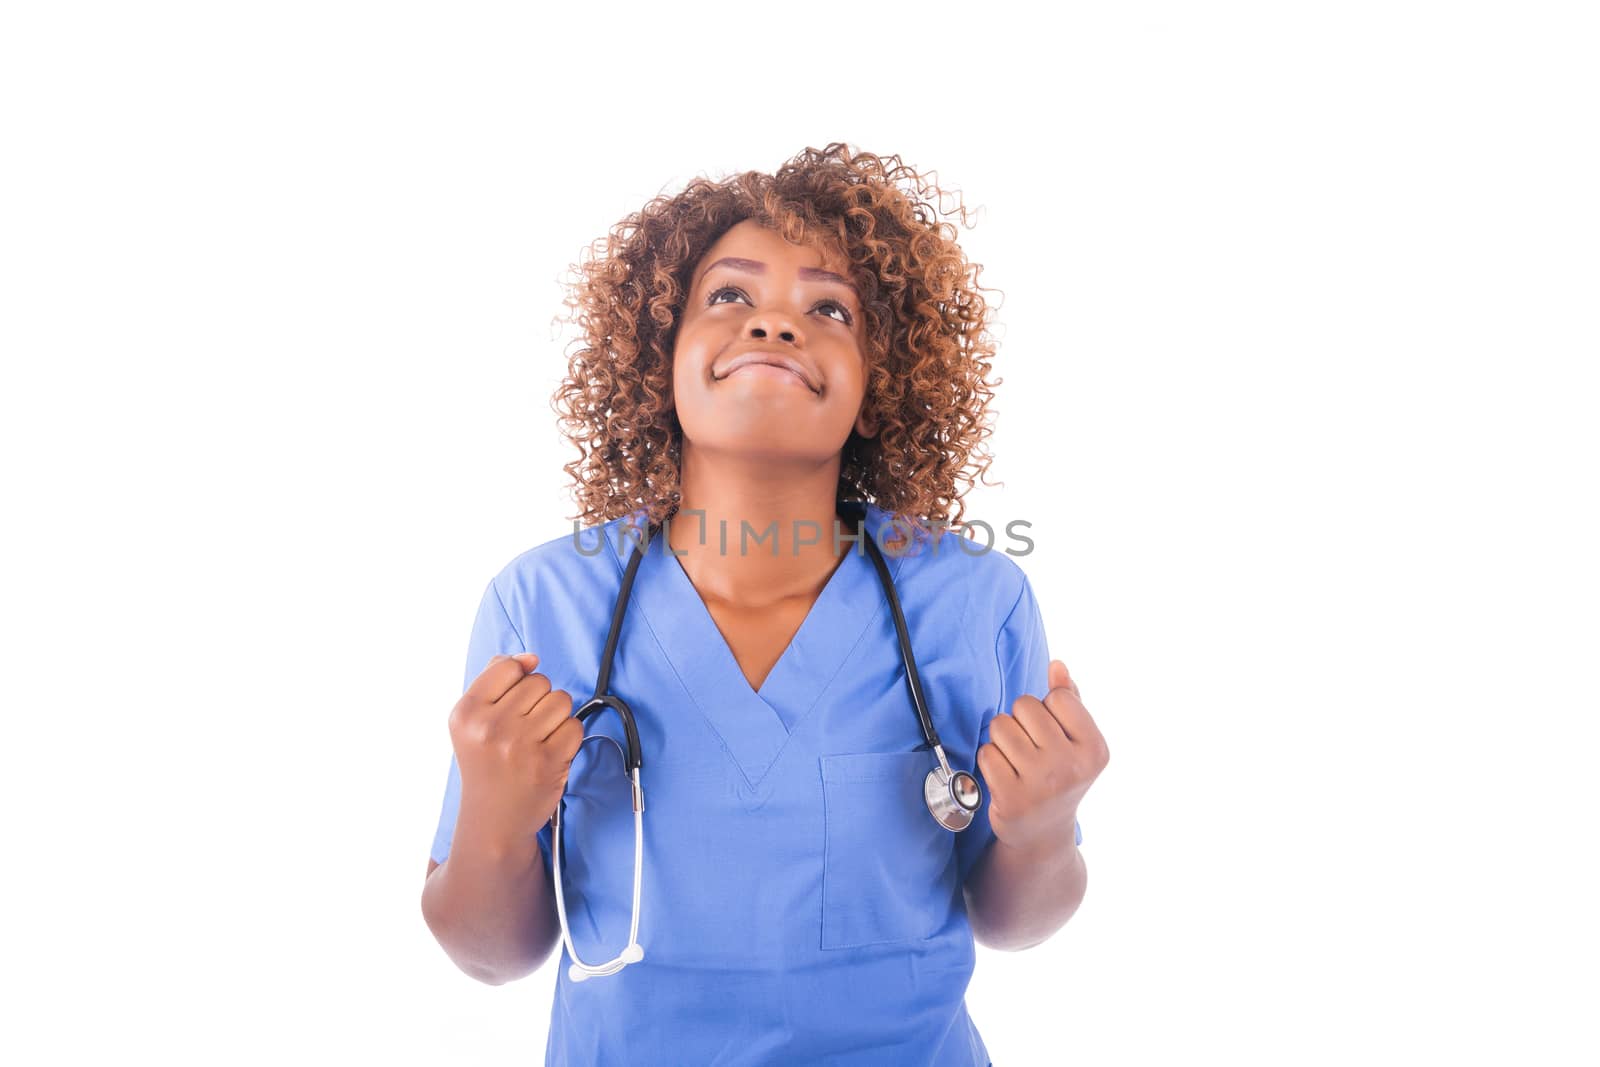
(771, 359)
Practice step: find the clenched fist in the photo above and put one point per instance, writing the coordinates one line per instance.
(515, 738)
(1039, 762)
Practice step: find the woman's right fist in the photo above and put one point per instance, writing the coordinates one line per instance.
(515, 739)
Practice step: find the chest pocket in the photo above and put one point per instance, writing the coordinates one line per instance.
(888, 870)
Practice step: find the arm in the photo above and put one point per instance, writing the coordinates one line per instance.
(1016, 900)
(1040, 759)
(491, 905)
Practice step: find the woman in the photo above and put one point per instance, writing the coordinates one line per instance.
(777, 367)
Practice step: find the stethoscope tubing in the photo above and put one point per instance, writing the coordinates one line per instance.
(954, 792)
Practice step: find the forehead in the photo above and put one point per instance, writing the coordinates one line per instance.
(753, 243)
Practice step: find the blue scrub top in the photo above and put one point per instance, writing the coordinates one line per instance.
(798, 904)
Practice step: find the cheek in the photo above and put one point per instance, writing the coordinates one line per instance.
(681, 377)
(690, 387)
(689, 365)
(694, 348)
(850, 385)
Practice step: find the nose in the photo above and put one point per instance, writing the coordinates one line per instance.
(767, 324)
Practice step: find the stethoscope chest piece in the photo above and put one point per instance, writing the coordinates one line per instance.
(952, 796)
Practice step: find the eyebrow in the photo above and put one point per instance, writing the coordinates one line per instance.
(755, 266)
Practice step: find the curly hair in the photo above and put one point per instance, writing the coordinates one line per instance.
(927, 343)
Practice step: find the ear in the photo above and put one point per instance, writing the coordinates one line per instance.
(866, 425)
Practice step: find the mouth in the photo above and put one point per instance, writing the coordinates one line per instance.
(772, 364)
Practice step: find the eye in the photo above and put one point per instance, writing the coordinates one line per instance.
(843, 311)
(712, 298)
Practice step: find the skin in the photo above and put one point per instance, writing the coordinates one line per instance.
(760, 445)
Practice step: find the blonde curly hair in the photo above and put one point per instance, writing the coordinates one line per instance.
(927, 342)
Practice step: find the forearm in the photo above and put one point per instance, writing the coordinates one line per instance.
(1016, 900)
(490, 905)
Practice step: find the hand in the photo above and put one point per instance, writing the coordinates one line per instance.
(515, 739)
(1038, 763)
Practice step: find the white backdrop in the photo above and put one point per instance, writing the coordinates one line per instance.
(1298, 340)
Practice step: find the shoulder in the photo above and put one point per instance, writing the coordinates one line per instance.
(579, 560)
(974, 578)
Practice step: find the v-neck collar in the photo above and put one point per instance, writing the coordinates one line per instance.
(755, 725)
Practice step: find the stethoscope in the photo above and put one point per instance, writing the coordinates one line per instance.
(952, 796)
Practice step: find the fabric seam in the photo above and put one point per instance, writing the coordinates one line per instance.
(1001, 631)
(522, 641)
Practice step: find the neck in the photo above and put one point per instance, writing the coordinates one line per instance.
(764, 534)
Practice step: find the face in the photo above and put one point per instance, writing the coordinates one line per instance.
(768, 360)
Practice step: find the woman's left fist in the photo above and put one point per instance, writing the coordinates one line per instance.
(1039, 761)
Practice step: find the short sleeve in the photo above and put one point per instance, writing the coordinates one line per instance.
(1023, 657)
(493, 633)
